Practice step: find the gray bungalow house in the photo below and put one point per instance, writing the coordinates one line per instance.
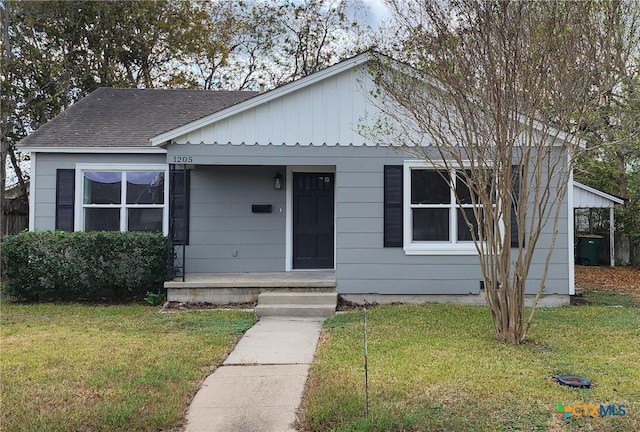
(263, 190)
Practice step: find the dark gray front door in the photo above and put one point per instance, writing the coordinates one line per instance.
(313, 220)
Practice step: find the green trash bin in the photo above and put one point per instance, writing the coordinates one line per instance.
(588, 251)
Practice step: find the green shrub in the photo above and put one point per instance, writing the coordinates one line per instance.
(154, 299)
(46, 265)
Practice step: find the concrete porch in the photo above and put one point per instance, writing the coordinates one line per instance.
(297, 293)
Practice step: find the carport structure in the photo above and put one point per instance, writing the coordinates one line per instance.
(586, 197)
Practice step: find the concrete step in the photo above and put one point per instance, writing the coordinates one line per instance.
(298, 298)
(285, 310)
(296, 304)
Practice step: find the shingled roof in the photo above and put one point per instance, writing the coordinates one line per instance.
(114, 117)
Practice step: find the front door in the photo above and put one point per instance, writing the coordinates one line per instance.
(313, 220)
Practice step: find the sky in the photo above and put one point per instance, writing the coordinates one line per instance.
(376, 9)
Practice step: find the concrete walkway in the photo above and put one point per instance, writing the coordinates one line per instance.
(259, 386)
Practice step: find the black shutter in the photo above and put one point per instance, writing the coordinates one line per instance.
(393, 205)
(179, 206)
(515, 170)
(65, 195)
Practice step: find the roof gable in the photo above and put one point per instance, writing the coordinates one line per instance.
(252, 119)
(585, 196)
(263, 99)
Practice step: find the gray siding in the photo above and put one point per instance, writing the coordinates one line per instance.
(223, 225)
(228, 179)
(222, 194)
(45, 178)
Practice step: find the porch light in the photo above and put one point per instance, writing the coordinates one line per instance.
(277, 181)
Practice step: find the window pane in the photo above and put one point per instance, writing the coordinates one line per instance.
(145, 219)
(102, 219)
(145, 187)
(431, 224)
(102, 187)
(464, 194)
(428, 187)
(464, 234)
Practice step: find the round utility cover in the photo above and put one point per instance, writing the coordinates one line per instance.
(574, 381)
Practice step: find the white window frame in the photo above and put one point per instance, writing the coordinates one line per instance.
(451, 247)
(123, 206)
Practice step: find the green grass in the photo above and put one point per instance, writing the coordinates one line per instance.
(600, 297)
(439, 368)
(107, 368)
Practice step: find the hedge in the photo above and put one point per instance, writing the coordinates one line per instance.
(110, 265)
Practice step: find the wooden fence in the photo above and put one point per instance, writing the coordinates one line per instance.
(15, 216)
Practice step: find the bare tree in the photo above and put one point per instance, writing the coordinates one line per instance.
(278, 42)
(491, 99)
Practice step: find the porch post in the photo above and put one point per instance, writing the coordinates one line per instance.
(612, 229)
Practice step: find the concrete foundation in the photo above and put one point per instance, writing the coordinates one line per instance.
(552, 300)
(231, 288)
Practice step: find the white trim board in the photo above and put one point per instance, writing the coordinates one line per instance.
(32, 193)
(570, 238)
(94, 150)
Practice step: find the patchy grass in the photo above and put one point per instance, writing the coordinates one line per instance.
(439, 368)
(107, 368)
(601, 297)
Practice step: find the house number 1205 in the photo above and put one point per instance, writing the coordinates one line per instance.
(182, 159)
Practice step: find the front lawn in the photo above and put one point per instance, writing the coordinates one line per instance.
(438, 368)
(107, 368)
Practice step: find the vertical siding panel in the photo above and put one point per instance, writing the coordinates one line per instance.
(222, 133)
(316, 115)
(331, 111)
(354, 103)
(195, 137)
(235, 133)
(288, 107)
(300, 115)
(305, 116)
(342, 107)
(209, 134)
(360, 102)
(262, 124)
(250, 126)
(277, 122)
